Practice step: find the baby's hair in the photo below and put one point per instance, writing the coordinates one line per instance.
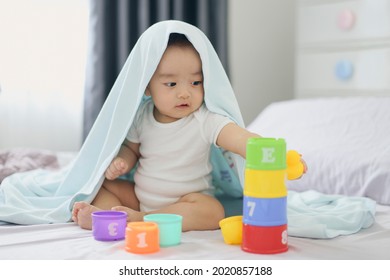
(178, 39)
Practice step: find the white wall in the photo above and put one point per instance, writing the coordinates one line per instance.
(42, 67)
(261, 53)
(261, 70)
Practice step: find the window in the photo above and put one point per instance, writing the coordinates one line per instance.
(43, 49)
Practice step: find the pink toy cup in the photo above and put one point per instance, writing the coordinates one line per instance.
(109, 225)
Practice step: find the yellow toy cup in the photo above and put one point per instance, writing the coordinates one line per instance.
(265, 183)
(231, 229)
(295, 167)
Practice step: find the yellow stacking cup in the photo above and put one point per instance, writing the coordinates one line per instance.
(265, 183)
(231, 229)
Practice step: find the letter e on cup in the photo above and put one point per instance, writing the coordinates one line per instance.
(268, 155)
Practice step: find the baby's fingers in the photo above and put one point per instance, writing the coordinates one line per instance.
(117, 167)
(304, 166)
(120, 165)
(109, 174)
(112, 172)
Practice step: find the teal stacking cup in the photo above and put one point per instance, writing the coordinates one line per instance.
(169, 226)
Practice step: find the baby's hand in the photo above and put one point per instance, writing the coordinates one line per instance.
(117, 168)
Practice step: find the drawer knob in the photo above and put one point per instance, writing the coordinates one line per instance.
(344, 70)
(346, 20)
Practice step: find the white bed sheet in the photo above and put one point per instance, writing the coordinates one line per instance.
(68, 241)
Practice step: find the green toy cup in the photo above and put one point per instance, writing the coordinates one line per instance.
(170, 228)
(266, 154)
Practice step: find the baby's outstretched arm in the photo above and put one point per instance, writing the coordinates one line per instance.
(125, 160)
(233, 138)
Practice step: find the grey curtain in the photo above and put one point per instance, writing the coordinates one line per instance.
(115, 26)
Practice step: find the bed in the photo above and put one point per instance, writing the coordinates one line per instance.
(348, 154)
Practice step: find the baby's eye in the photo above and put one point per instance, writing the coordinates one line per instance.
(171, 84)
(196, 83)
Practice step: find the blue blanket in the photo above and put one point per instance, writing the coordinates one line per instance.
(39, 196)
(316, 215)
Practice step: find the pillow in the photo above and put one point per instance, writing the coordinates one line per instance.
(344, 141)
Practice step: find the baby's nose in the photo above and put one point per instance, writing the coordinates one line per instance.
(184, 93)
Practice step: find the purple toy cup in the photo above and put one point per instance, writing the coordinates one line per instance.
(109, 225)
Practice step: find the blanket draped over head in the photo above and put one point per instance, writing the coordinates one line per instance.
(47, 197)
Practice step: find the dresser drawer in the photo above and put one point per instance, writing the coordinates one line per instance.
(366, 70)
(343, 21)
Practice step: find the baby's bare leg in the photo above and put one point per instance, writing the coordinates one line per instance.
(199, 211)
(112, 193)
(116, 193)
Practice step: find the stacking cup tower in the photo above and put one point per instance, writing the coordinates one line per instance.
(265, 197)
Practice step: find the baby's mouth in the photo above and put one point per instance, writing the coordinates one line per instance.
(184, 105)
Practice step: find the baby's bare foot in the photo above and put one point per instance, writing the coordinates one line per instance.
(81, 214)
(132, 215)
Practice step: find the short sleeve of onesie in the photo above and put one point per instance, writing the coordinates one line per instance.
(212, 124)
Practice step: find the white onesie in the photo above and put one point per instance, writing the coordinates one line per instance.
(175, 157)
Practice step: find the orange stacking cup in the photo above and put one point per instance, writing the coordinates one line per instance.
(142, 237)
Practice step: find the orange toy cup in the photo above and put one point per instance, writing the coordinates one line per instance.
(142, 237)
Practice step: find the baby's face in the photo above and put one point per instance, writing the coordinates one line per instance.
(177, 85)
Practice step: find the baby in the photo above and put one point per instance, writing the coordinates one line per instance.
(170, 140)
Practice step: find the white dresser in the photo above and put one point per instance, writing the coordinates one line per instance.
(343, 48)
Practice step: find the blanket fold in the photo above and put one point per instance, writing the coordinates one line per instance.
(316, 215)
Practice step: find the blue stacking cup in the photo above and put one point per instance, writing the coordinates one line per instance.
(265, 211)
